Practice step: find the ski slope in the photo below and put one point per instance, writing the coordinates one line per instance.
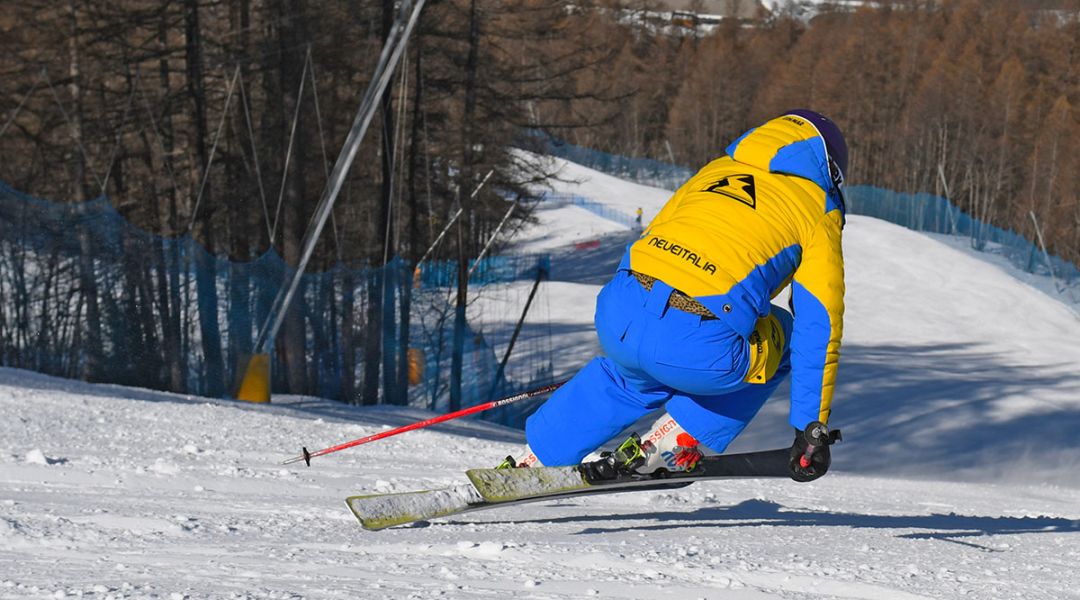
(959, 398)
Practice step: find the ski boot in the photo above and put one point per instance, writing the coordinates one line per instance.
(627, 459)
(530, 460)
(667, 447)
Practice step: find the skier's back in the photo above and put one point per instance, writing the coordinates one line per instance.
(687, 321)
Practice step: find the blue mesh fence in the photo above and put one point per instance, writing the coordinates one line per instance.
(934, 214)
(645, 171)
(83, 293)
(592, 206)
(492, 269)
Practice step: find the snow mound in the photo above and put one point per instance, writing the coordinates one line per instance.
(37, 457)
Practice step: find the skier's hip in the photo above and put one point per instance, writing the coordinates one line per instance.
(663, 333)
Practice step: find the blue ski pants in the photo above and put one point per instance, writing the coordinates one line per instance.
(655, 355)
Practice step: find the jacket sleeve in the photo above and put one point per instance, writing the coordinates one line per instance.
(817, 302)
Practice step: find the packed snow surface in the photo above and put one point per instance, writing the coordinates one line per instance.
(959, 399)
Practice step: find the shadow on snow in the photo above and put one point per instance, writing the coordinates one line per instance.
(762, 513)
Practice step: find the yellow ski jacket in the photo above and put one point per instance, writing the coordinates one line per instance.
(745, 226)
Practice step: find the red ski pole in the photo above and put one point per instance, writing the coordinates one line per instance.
(307, 456)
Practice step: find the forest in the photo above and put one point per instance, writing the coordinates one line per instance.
(985, 92)
(218, 121)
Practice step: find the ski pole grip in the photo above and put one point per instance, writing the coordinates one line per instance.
(817, 436)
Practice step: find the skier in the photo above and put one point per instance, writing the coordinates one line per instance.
(687, 321)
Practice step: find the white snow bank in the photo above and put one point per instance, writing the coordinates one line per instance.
(229, 522)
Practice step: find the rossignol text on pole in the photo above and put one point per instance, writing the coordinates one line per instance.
(307, 456)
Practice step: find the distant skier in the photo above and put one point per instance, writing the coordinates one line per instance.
(687, 321)
(637, 219)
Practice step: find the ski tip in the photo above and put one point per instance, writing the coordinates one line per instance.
(379, 511)
(368, 522)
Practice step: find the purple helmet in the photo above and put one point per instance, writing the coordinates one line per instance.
(834, 140)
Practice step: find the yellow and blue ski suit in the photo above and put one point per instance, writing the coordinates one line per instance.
(736, 234)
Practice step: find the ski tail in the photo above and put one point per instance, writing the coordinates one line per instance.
(764, 464)
(508, 485)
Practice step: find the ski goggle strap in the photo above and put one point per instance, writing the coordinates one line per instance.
(837, 177)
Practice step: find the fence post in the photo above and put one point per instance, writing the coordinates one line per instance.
(1046, 255)
(948, 198)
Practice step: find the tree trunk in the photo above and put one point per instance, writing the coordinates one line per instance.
(457, 358)
(168, 253)
(413, 226)
(205, 265)
(466, 217)
(386, 226)
(92, 362)
(241, 222)
(295, 225)
(348, 345)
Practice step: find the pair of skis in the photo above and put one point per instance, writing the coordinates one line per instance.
(492, 488)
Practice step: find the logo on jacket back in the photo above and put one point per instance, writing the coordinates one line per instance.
(736, 187)
(684, 253)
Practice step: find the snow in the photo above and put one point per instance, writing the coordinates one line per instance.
(959, 398)
(1055, 286)
(574, 179)
(810, 8)
(549, 234)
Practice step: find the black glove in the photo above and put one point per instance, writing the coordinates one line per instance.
(809, 458)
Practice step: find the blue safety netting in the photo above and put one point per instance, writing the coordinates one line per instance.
(491, 269)
(645, 171)
(934, 214)
(83, 293)
(601, 210)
